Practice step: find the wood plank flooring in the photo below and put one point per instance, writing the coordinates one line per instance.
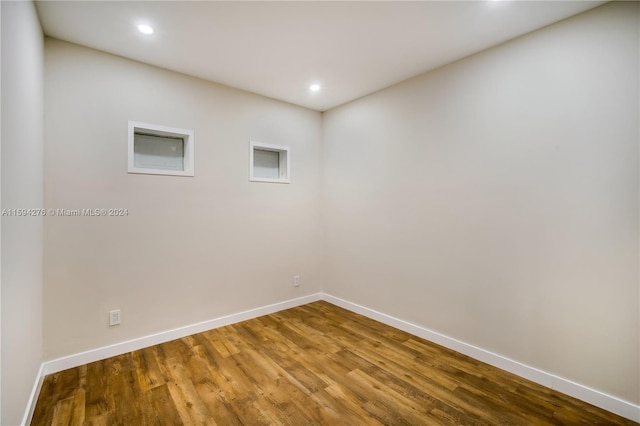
(312, 365)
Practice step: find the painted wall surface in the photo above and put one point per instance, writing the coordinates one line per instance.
(191, 248)
(22, 139)
(495, 200)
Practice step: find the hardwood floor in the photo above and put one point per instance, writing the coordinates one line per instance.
(312, 365)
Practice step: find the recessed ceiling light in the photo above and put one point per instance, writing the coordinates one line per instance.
(314, 87)
(145, 29)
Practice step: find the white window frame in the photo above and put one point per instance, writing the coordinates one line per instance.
(158, 130)
(284, 158)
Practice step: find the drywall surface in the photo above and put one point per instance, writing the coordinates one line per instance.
(495, 200)
(22, 151)
(189, 249)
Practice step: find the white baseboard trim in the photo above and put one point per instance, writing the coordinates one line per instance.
(98, 354)
(33, 398)
(599, 399)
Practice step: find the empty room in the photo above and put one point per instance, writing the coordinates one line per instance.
(320, 213)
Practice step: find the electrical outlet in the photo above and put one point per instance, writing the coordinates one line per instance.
(296, 280)
(114, 317)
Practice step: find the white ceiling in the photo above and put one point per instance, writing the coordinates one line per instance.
(277, 49)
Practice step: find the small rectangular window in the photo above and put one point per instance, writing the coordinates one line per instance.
(161, 150)
(269, 163)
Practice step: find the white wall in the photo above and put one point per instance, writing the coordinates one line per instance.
(495, 200)
(191, 249)
(22, 138)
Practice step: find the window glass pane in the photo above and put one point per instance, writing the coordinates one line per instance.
(266, 164)
(158, 152)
